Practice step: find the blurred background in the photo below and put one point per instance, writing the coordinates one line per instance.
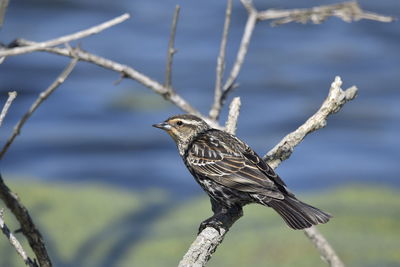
(107, 189)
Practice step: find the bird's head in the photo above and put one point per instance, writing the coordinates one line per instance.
(183, 128)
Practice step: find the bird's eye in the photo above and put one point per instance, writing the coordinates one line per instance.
(179, 123)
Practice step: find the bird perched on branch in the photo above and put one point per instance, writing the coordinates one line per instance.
(233, 175)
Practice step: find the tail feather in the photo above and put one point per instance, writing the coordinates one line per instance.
(297, 214)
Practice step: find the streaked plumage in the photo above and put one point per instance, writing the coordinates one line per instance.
(232, 174)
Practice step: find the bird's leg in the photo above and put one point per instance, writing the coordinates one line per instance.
(223, 217)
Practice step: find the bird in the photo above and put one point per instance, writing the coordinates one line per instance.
(233, 175)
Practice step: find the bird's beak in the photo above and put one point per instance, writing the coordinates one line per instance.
(163, 125)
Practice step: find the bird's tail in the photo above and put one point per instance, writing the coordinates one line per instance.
(297, 214)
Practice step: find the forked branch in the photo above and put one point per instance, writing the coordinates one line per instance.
(332, 104)
(123, 70)
(208, 240)
(242, 52)
(11, 200)
(28, 228)
(14, 242)
(347, 11)
(217, 105)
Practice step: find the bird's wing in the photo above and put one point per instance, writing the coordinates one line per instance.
(266, 169)
(224, 159)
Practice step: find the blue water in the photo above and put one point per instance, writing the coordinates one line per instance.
(91, 130)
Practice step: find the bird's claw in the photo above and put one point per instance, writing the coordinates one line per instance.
(211, 222)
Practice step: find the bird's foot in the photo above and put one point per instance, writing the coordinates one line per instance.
(213, 222)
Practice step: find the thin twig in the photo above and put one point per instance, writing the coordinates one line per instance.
(209, 239)
(216, 107)
(244, 45)
(171, 49)
(64, 39)
(14, 242)
(42, 96)
(10, 99)
(3, 8)
(348, 12)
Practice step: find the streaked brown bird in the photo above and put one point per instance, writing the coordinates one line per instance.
(233, 175)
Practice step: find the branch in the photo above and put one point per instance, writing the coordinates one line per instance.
(43, 95)
(124, 70)
(202, 248)
(282, 151)
(234, 111)
(171, 49)
(64, 39)
(208, 240)
(332, 104)
(11, 200)
(217, 105)
(322, 245)
(11, 97)
(28, 228)
(15, 243)
(3, 8)
(348, 12)
(244, 45)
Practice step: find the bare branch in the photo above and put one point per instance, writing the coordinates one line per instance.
(28, 228)
(332, 104)
(15, 243)
(64, 39)
(244, 45)
(3, 8)
(42, 96)
(208, 240)
(10, 99)
(171, 49)
(202, 248)
(216, 108)
(12, 201)
(234, 111)
(248, 4)
(348, 11)
(282, 151)
(325, 250)
(124, 70)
